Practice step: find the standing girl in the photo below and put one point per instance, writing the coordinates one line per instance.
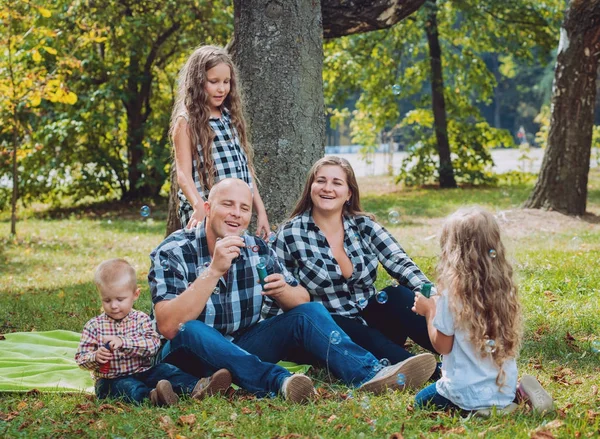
(209, 134)
(476, 321)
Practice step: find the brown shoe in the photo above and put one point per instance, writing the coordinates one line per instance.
(297, 388)
(216, 384)
(163, 394)
(412, 373)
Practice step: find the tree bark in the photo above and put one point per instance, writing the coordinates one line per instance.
(357, 16)
(173, 222)
(280, 59)
(562, 183)
(437, 98)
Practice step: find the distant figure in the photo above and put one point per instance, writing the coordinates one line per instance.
(119, 345)
(209, 135)
(475, 323)
(522, 135)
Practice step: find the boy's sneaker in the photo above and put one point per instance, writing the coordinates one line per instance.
(297, 388)
(215, 384)
(163, 394)
(531, 390)
(412, 372)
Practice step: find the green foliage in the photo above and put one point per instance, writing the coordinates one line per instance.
(388, 71)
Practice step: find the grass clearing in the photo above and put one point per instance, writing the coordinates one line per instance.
(46, 283)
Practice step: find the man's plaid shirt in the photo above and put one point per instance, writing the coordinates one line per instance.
(305, 252)
(140, 344)
(230, 161)
(236, 303)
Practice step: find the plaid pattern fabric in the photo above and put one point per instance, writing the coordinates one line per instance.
(140, 344)
(305, 252)
(236, 303)
(230, 161)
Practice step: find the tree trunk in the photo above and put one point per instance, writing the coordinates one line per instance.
(437, 98)
(173, 222)
(562, 183)
(15, 176)
(357, 16)
(279, 54)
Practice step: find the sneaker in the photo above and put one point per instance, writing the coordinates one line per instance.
(531, 390)
(297, 388)
(163, 394)
(416, 370)
(216, 384)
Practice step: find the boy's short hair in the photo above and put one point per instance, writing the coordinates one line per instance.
(115, 271)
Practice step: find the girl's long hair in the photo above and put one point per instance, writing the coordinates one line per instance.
(193, 100)
(305, 203)
(479, 280)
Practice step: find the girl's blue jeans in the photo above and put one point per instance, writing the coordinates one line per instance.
(136, 387)
(429, 396)
(201, 350)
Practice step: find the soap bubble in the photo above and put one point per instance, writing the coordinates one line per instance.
(145, 211)
(401, 379)
(596, 346)
(396, 89)
(335, 337)
(362, 303)
(384, 362)
(394, 217)
(490, 346)
(382, 297)
(575, 243)
(164, 263)
(376, 366)
(181, 327)
(365, 403)
(272, 237)
(210, 311)
(493, 253)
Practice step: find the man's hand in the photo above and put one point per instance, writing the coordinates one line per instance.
(275, 285)
(103, 355)
(226, 250)
(115, 342)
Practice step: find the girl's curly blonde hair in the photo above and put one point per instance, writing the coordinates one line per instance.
(479, 280)
(192, 100)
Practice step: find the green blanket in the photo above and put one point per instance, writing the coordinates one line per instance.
(45, 361)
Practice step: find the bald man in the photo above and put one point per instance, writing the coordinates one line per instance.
(207, 298)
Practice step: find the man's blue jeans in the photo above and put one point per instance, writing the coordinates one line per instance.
(201, 350)
(136, 387)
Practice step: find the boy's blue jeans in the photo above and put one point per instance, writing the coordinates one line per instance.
(136, 387)
(201, 350)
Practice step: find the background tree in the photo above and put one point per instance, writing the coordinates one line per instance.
(562, 183)
(34, 69)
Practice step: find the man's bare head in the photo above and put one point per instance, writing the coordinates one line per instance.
(229, 207)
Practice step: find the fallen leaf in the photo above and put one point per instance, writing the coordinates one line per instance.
(494, 428)
(21, 405)
(246, 410)
(165, 421)
(556, 423)
(331, 418)
(8, 416)
(594, 390)
(187, 419)
(33, 392)
(2, 337)
(38, 405)
(24, 425)
(541, 435)
(396, 436)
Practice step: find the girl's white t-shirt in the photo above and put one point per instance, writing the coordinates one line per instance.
(468, 380)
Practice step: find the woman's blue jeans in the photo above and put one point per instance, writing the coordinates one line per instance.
(136, 387)
(201, 350)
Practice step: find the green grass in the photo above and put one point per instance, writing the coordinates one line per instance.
(46, 283)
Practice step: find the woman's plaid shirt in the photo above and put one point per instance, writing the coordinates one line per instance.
(140, 344)
(230, 161)
(305, 252)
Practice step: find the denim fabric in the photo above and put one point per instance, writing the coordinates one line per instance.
(250, 358)
(429, 396)
(135, 388)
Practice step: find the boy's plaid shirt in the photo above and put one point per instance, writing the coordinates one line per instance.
(140, 344)
(305, 252)
(236, 303)
(230, 161)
